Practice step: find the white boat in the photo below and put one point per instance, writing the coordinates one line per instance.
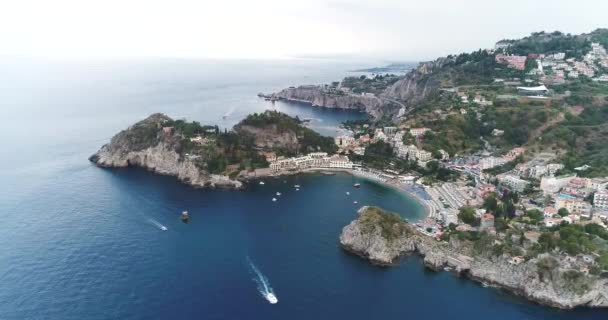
(274, 199)
(297, 189)
(163, 228)
(355, 202)
(347, 193)
(262, 182)
(271, 298)
(278, 193)
(296, 186)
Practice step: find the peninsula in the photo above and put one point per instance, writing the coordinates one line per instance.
(551, 278)
(204, 156)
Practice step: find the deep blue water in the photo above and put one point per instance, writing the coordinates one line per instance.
(79, 242)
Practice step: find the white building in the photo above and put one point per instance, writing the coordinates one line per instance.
(424, 156)
(491, 162)
(600, 199)
(417, 132)
(512, 182)
(550, 185)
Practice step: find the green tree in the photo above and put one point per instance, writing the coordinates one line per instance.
(490, 203)
(563, 212)
(467, 215)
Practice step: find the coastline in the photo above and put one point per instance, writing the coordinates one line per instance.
(266, 173)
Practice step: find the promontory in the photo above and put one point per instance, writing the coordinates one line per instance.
(553, 278)
(205, 156)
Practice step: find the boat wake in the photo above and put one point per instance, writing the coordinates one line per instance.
(157, 224)
(264, 287)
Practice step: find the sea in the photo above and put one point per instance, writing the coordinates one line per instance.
(82, 242)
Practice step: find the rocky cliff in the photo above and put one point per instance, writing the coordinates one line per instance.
(318, 98)
(148, 146)
(417, 84)
(380, 237)
(412, 88)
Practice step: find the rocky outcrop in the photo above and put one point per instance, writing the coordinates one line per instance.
(146, 145)
(417, 84)
(541, 279)
(412, 88)
(271, 137)
(318, 98)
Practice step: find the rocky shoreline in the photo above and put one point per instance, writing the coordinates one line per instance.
(383, 239)
(162, 160)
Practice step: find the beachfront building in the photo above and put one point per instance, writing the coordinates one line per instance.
(311, 160)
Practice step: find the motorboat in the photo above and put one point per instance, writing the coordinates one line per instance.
(271, 298)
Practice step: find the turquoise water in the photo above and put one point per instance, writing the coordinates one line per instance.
(81, 242)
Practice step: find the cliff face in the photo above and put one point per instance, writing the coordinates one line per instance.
(416, 84)
(541, 279)
(314, 95)
(144, 145)
(270, 137)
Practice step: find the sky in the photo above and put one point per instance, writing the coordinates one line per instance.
(399, 30)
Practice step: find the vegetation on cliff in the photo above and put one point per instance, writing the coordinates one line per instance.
(391, 225)
(277, 124)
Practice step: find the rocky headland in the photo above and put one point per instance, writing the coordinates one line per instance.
(549, 279)
(203, 156)
(394, 98)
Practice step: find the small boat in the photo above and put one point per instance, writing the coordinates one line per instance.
(296, 186)
(262, 183)
(347, 193)
(297, 189)
(355, 202)
(163, 228)
(185, 216)
(356, 185)
(274, 199)
(271, 298)
(278, 193)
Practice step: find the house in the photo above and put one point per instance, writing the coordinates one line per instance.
(549, 212)
(484, 189)
(512, 61)
(497, 132)
(517, 260)
(418, 132)
(514, 153)
(572, 204)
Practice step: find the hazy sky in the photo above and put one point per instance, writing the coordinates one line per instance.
(393, 29)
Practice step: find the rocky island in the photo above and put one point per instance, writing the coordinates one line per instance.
(552, 279)
(204, 156)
